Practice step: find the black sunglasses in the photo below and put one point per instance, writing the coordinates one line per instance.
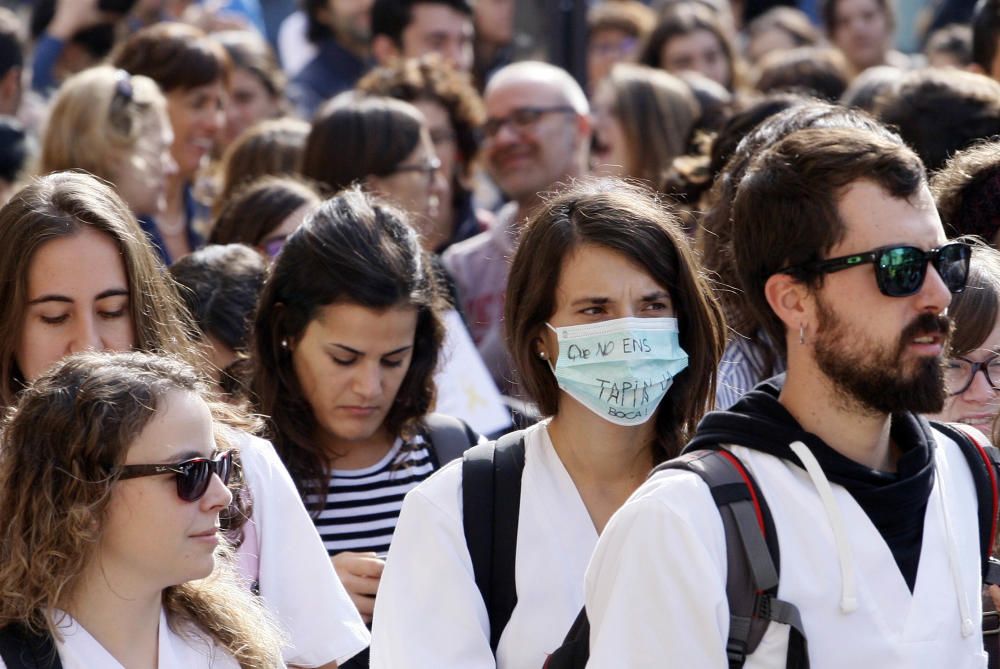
(900, 270)
(193, 476)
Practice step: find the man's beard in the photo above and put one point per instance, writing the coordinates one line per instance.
(879, 378)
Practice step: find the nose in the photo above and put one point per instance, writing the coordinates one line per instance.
(367, 382)
(85, 336)
(934, 296)
(217, 496)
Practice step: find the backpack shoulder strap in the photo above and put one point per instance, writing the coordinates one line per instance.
(448, 436)
(983, 462)
(22, 649)
(752, 557)
(491, 501)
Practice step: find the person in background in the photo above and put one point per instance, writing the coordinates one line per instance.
(414, 28)
(347, 337)
(78, 273)
(601, 263)
(17, 149)
(972, 370)
(821, 72)
(383, 144)
(615, 33)
(643, 119)
(115, 126)
(689, 36)
(950, 46)
(70, 36)
(986, 38)
(219, 286)
(455, 114)
(270, 148)
(11, 62)
(341, 31)
(865, 89)
(863, 30)
(263, 213)
(535, 137)
(193, 72)
(256, 83)
(778, 29)
(967, 192)
(114, 488)
(494, 37)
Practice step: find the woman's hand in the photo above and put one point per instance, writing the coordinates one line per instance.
(360, 573)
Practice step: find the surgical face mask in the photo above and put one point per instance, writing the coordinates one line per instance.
(619, 369)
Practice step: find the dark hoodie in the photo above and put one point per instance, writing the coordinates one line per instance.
(895, 502)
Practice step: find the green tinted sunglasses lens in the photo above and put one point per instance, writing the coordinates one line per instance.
(900, 271)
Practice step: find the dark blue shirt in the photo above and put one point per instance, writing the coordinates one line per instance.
(333, 70)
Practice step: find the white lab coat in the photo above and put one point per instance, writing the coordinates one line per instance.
(655, 588)
(429, 613)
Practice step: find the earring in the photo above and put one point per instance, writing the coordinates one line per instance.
(284, 343)
(802, 333)
(542, 355)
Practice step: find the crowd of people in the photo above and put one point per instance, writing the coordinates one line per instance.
(383, 333)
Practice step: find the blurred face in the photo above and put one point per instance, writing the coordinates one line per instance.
(350, 21)
(861, 31)
(78, 299)
(529, 153)
(609, 151)
(198, 117)
(272, 243)
(141, 178)
(414, 185)
(436, 28)
(607, 47)
(350, 362)
(971, 397)
(494, 21)
(766, 41)
(699, 51)
(249, 102)
(152, 538)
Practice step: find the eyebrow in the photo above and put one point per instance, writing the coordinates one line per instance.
(649, 297)
(357, 352)
(112, 292)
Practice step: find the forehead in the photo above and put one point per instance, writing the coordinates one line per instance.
(697, 40)
(438, 17)
(434, 112)
(88, 261)
(873, 218)
(843, 8)
(595, 270)
(514, 92)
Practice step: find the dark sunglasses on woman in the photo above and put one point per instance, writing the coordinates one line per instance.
(193, 476)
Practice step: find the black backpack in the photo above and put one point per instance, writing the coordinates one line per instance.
(491, 489)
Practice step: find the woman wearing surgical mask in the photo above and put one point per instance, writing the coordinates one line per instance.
(973, 367)
(614, 335)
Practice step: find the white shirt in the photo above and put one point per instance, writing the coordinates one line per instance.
(283, 553)
(429, 613)
(656, 584)
(192, 650)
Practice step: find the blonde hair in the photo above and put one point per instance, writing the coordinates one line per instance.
(97, 117)
(63, 446)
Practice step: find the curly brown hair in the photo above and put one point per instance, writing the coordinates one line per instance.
(64, 444)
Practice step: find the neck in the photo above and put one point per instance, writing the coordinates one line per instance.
(174, 189)
(124, 616)
(847, 427)
(606, 462)
(356, 453)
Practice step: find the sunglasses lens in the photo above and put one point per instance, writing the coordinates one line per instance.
(953, 265)
(193, 483)
(901, 271)
(224, 466)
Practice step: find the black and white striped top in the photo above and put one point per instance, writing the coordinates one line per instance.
(362, 505)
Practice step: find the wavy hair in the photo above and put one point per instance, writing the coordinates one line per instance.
(354, 249)
(64, 443)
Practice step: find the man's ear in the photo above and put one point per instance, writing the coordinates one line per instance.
(384, 50)
(790, 300)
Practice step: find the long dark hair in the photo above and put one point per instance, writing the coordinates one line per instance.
(354, 249)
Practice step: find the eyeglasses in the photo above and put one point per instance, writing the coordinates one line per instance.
(900, 270)
(124, 93)
(959, 373)
(522, 118)
(272, 247)
(193, 476)
(428, 168)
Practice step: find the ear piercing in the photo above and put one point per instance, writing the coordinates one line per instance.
(542, 355)
(802, 333)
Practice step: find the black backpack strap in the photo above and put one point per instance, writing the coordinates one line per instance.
(491, 501)
(449, 437)
(752, 557)
(983, 463)
(22, 649)
(575, 649)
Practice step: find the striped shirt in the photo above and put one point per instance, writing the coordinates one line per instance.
(743, 366)
(362, 505)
